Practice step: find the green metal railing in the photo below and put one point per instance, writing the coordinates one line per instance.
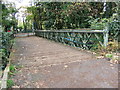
(86, 39)
(27, 31)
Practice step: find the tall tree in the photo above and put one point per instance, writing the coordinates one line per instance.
(8, 16)
(68, 15)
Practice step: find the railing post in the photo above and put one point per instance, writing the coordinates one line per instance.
(106, 31)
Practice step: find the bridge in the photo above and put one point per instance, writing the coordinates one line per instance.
(48, 64)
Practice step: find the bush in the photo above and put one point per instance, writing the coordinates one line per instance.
(10, 83)
(6, 44)
(98, 23)
(12, 68)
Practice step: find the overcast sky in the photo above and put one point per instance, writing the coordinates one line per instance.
(20, 3)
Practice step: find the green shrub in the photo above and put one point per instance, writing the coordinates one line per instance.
(12, 68)
(6, 44)
(98, 23)
(10, 83)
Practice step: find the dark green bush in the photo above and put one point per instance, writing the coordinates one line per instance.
(98, 23)
(6, 44)
(114, 30)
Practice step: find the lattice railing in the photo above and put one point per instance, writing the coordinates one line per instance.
(86, 39)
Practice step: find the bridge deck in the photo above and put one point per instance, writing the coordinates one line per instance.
(46, 64)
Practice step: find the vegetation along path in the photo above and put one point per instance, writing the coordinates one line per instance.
(47, 64)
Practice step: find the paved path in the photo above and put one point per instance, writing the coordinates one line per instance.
(47, 64)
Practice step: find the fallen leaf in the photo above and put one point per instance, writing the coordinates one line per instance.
(21, 54)
(49, 71)
(41, 62)
(99, 57)
(15, 86)
(65, 66)
(94, 53)
(111, 65)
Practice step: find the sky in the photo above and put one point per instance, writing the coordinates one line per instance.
(20, 3)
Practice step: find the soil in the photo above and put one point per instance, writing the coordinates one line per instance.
(47, 64)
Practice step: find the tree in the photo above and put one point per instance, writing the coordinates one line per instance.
(68, 15)
(8, 16)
